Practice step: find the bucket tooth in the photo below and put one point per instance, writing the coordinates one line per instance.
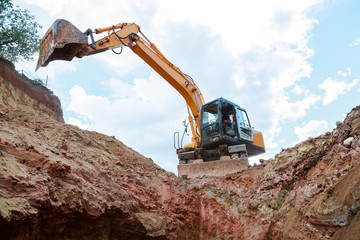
(62, 41)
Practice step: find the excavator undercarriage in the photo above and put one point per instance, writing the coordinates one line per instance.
(215, 162)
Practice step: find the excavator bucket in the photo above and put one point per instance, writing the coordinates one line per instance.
(62, 41)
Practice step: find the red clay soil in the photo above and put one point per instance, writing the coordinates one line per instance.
(58, 181)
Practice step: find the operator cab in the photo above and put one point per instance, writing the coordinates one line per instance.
(224, 123)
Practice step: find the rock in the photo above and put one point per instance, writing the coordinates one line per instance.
(337, 173)
(347, 142)
(276, 180)
(64, 145)
(322, 166)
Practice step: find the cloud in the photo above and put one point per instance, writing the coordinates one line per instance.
(345, 74)
(313, 128)
(355, 42)
(53, 7)
(115, 63)
(275, 22)
(333, 88)
(78, 123)
(297, 90)
(296, 110)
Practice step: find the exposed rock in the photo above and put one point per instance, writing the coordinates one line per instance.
(60, 182)
(347, 142)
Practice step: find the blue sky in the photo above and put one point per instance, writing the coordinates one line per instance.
(294, 65)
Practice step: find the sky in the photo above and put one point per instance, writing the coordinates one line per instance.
(293, 65)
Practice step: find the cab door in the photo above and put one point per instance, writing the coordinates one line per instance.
(244, 127)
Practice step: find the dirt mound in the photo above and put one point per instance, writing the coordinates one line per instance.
(310, 191)
(60, 182)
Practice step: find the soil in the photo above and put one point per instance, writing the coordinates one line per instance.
(58, 181)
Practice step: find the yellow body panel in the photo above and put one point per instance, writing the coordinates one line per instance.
(258, 139)
(190, 145)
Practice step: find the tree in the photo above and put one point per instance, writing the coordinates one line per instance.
(18, 33)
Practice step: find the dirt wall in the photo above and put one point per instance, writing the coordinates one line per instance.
(34, 90)
(58, 181)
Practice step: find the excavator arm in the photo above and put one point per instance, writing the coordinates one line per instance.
(180, 81)
(63, 41)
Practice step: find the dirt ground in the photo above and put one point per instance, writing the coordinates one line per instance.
(58, 181)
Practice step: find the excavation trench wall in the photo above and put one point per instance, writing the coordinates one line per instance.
(58, 181)
(22, 85)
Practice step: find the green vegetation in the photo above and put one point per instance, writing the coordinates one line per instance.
(39, 81)
(18, 33)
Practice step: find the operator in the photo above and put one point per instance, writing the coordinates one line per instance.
(228, 126)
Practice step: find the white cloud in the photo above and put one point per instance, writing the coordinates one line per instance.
(297, 90)
(355, 42)
(79, 123)
(296, 110)
(333, 88)
(53, 7)
(243, 26)
(238, 79)
(313, 128)
(116, 62)
(345, 74)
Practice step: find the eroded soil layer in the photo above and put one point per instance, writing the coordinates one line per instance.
(61, 182)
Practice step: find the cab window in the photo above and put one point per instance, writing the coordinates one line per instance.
(210, 115)
(244, 118)
(244, 128)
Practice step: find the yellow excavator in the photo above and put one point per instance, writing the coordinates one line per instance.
(220, 129)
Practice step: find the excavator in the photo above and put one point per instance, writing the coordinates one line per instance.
(222, 136)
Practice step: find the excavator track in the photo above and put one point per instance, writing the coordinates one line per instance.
(214, 168)
(230, 159)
